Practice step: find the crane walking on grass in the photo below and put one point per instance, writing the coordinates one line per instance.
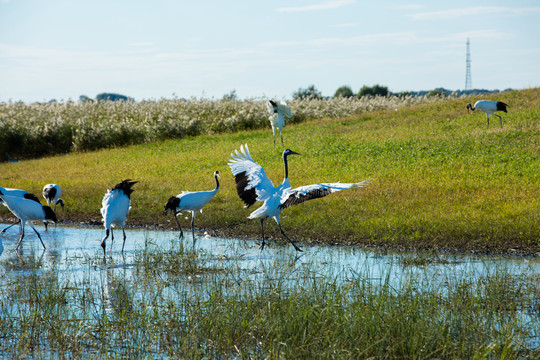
(489, 107)
(190, 201)
(115, 207)
(18, 193)
(27, 210)
(252, 185)
(52, 193)
(278, 110)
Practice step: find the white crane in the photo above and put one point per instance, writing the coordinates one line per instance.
(278, 110)
(52, 193)
(252, 185)
(114, 209)
(190, 201)
(489, 107)
(18, 193)
(28, 210)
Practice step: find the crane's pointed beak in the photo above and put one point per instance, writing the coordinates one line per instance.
(294, 153)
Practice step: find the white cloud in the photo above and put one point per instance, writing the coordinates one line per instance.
(409, 7)
(477, 11)
(356, 40)
(334, 4)
(401, 38)
(141, 44)
(348, 25)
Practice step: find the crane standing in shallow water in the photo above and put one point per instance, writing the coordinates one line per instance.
(22, 194)
(28, 210)
(489, 107)
(114, 209)
(252, 185)
(190, 201)
(278, 110)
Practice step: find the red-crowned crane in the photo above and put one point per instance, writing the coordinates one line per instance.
(278, 110)
(252, 185)
(489, 107)
(18, 193)
(114, 209)
(28, 210)
(190, 201)
(52, 193)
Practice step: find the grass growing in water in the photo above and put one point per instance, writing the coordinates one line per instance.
(135, 312)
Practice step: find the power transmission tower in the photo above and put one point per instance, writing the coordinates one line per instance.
(468, 78)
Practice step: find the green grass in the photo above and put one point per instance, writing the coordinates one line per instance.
(441, 179)
(151, 314)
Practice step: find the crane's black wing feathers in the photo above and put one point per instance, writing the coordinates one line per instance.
(125, 186)
(248, 196)
(49, 193)
(501, 106)
(294, 198)
(30, 196)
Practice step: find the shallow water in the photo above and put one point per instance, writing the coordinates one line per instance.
(74, 257)
(72, 250)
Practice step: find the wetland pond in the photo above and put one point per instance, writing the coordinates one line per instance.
(158, 265)
(76, 252)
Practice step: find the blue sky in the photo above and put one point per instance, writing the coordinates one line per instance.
(60, 49)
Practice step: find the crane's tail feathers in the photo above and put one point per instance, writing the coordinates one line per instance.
(501, 106)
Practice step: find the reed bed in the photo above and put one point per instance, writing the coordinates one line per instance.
(37, 129)
(211, 309)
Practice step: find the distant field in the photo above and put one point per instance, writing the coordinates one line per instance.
(36, 130)
(441, 179)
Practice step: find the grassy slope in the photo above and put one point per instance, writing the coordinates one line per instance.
(440, 178)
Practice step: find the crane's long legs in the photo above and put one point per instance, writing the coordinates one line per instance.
(3, 231)
(262, 232)
(39, 236)
(192, 227)
(286, 237)
(178, 222)
(282, 233)
(124, 243)
(500, 118)
(22, 235)
(20, 239)
(103, 240)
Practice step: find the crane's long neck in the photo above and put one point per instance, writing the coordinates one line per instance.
(217, 183)
(286, 167)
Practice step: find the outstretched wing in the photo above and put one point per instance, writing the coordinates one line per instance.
(252, 184)
(284, 109)
(300, 194)
(271, 106)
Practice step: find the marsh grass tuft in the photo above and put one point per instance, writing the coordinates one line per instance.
(176, 260)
